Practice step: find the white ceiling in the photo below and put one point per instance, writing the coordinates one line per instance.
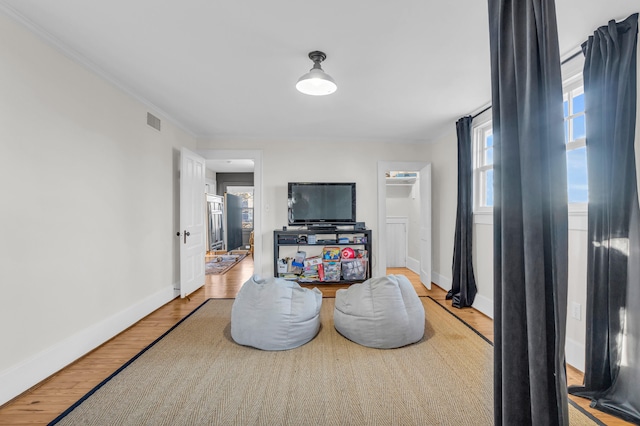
(226, 70)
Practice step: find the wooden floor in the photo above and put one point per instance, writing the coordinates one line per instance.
(44, 402)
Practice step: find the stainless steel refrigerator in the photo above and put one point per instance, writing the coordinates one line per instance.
(215, 212)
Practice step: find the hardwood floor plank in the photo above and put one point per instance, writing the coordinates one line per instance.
(48, 399)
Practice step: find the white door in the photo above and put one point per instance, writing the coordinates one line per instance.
(425, 226)
(192, 222)
(397, 242)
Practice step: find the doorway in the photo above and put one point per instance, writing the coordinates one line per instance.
(245, 193)
(254, 157)
(421, 190)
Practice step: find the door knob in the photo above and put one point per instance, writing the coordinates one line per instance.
(186, 234)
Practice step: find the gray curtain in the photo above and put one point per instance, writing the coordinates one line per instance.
(463, 289)
(612, 368)
(530, 214)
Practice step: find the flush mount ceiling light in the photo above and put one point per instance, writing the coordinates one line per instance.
(316, 82)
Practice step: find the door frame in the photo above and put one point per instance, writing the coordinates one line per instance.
(256, 156)
(383, 168)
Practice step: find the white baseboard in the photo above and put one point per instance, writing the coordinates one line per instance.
(484, 305)
(413, 265)
(575, 353)
(441, 281)
(35, 369)
(481, 303)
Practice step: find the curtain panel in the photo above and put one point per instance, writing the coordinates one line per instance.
(612, 367)
(463, 288)
(530, 214)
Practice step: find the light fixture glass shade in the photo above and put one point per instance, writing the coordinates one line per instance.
(316, 83)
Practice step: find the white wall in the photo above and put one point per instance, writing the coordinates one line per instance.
(210, 182)
(338, 162)
(444, 157)
(444, 174)
(444, 154)
(444, 163)
(88, 210)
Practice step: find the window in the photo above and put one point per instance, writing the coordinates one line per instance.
(246, 193)
(575, 140)
(483, 166)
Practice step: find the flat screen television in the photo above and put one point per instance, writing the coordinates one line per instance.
(329, 203)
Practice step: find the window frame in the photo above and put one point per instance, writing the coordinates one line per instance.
(574, 81)
(481, 125)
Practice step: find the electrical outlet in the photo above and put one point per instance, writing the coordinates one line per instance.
(576, 311)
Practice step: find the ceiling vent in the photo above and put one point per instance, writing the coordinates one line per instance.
(153, 121)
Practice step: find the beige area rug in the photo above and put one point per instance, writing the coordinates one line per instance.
(197, 375)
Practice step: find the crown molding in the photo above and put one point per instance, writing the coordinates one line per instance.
(87, 63)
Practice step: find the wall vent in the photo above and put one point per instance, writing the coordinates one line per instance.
(153, 121)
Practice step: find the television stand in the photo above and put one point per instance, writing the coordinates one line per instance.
(321, 227)
(292, 241)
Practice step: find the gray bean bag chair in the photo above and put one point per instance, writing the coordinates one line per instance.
(274, 314)
(383, 312)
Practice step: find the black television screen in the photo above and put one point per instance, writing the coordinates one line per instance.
(328, 202)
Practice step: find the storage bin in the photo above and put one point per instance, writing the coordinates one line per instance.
(354, 269)
(331, 271)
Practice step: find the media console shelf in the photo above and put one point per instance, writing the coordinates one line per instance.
(293, 240)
